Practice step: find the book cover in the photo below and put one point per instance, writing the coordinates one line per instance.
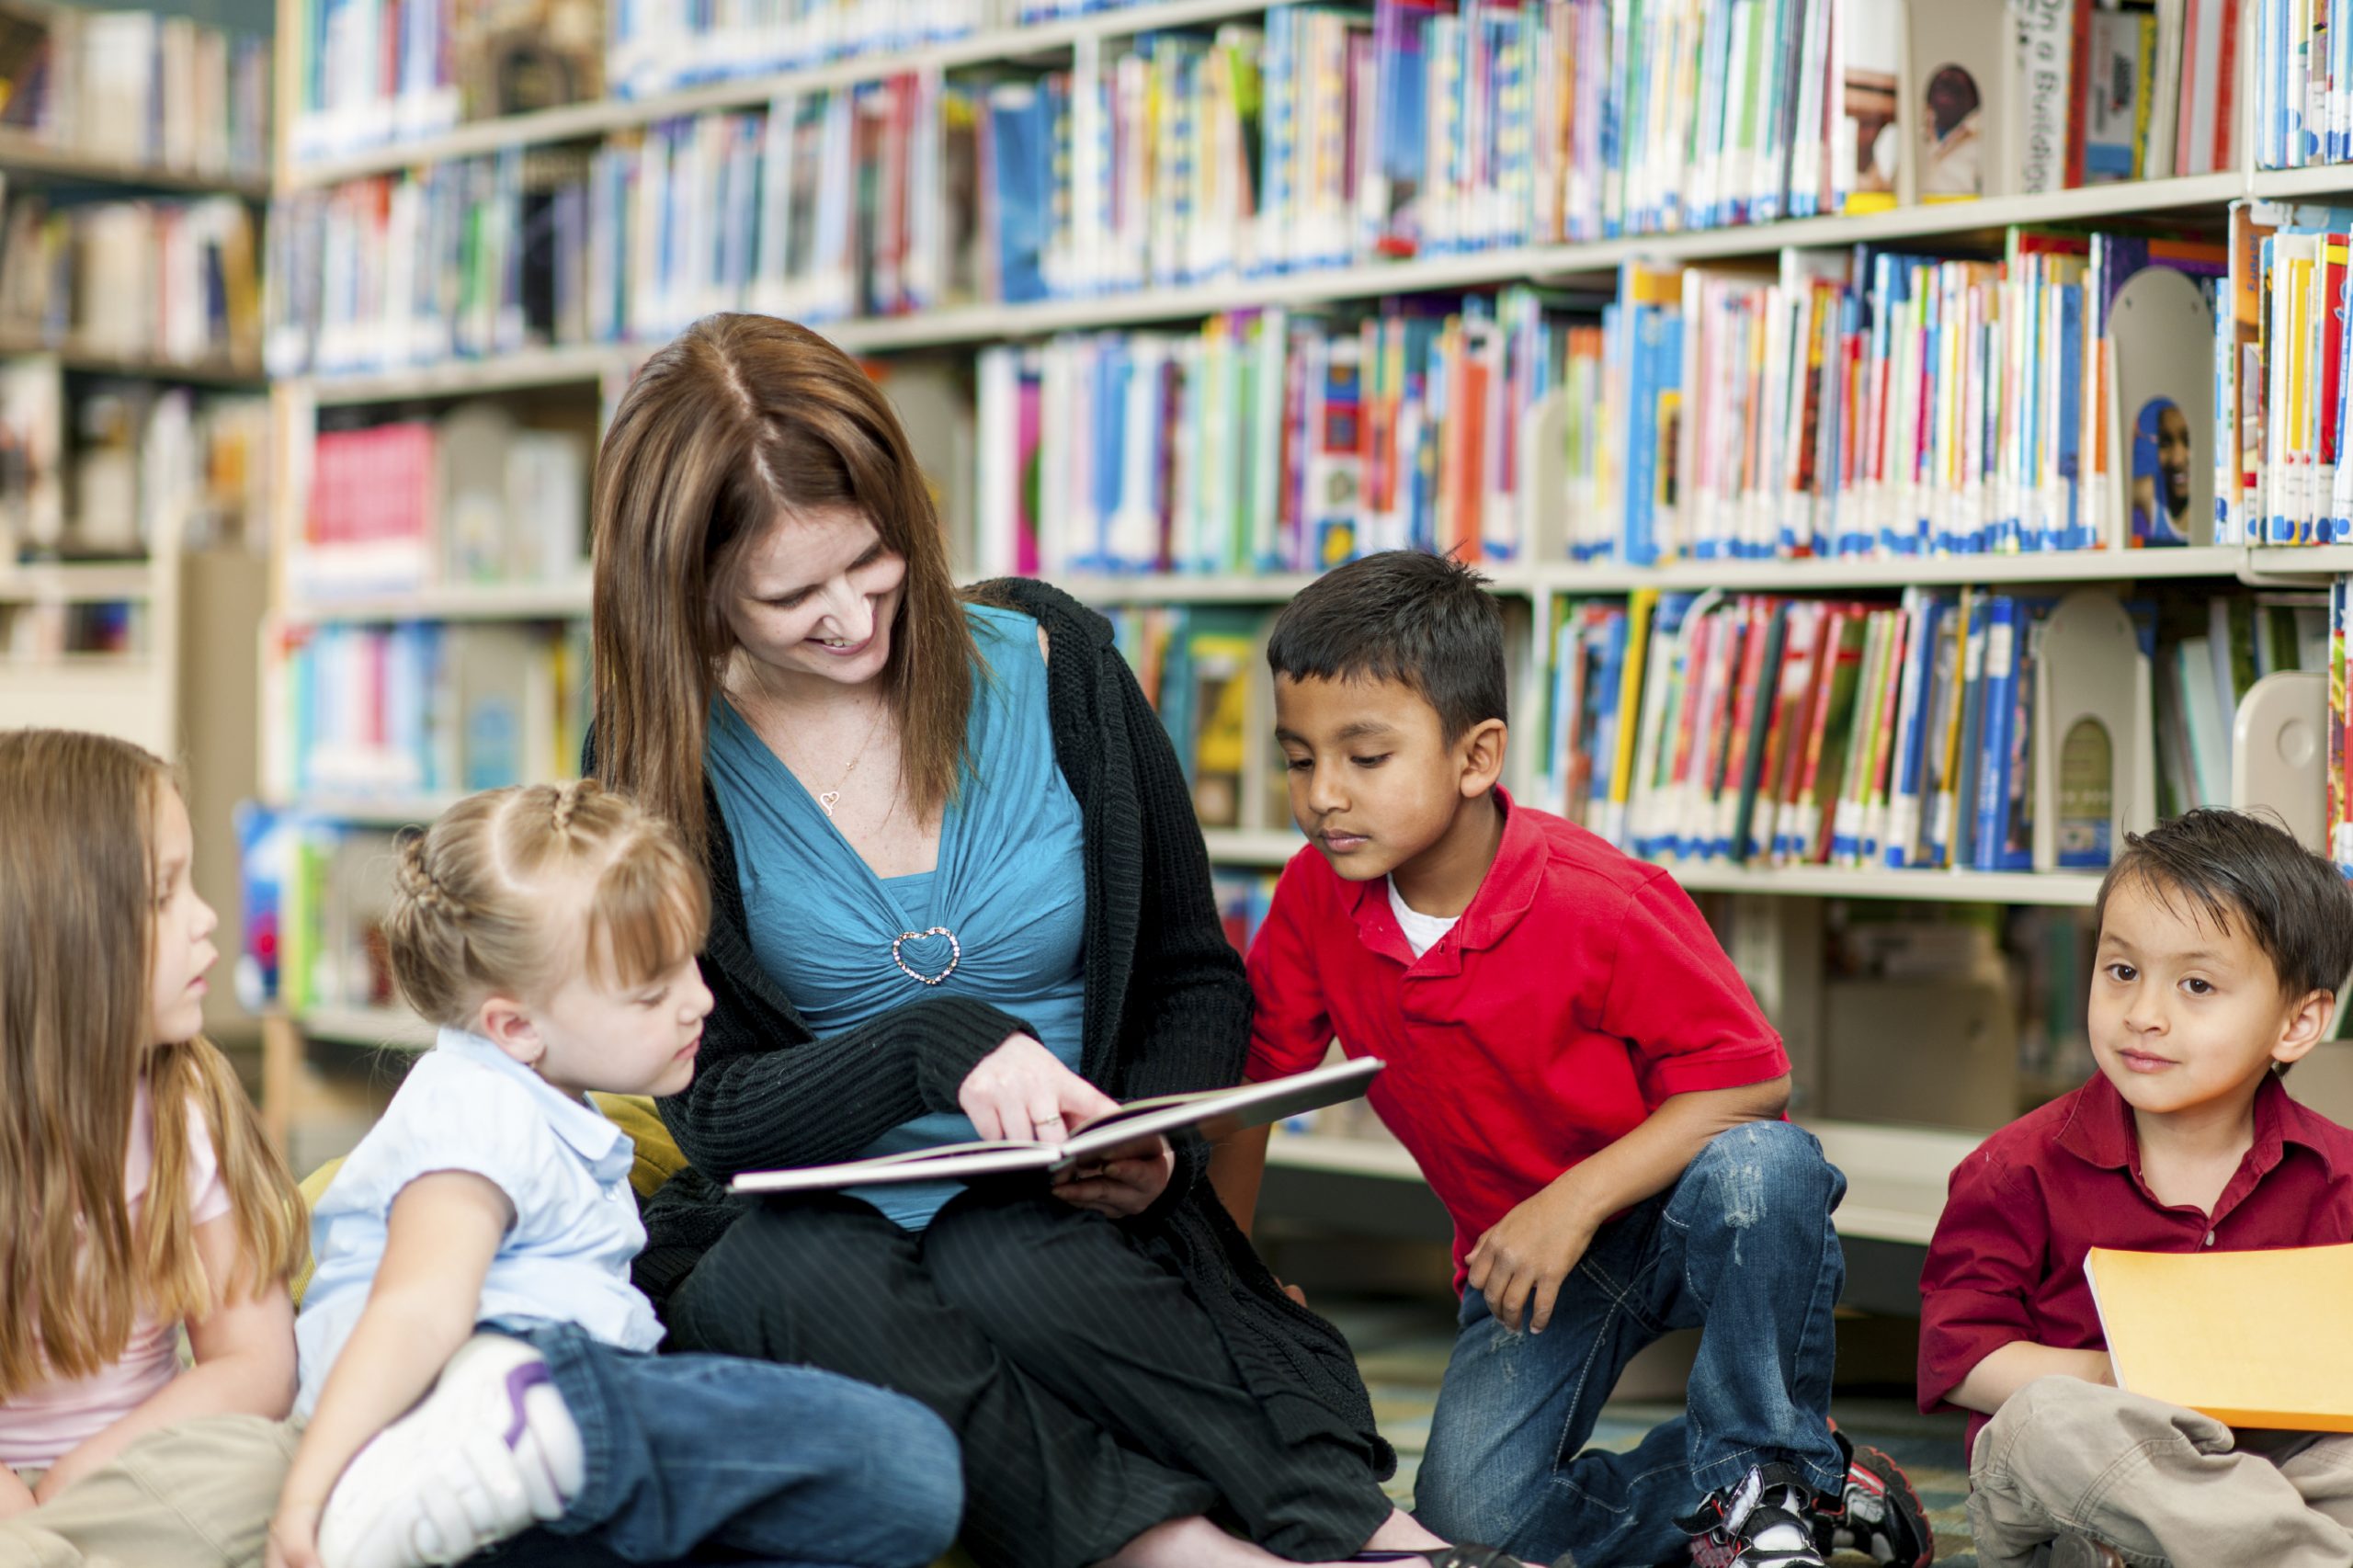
(2176, 1327)
(1868, 154)
(1958, 127)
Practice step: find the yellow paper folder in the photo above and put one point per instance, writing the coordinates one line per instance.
(2250, 1338)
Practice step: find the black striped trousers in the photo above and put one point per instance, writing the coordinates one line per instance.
(1093, 1395)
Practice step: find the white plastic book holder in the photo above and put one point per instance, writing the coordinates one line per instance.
(2095, 756)
(2278, 754)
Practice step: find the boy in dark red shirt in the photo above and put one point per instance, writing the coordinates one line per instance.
(2222, 943)
(1590, 1090)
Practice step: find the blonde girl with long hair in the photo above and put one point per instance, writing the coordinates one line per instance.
(477, 1245)
(138, 1198)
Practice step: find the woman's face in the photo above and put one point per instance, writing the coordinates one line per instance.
(816, 594)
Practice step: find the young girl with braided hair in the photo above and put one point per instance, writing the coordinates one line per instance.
(141, 1200)
(475, 1254)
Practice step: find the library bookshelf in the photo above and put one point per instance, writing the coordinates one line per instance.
(1897, 1171)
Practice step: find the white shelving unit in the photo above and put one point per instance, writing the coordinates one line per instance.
(1897, 1174)
(24, 153)
(394, 1029)
(487, 602)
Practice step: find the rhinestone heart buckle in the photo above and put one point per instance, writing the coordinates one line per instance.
(955, 954)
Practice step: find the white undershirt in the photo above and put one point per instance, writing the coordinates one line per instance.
(1422, 931)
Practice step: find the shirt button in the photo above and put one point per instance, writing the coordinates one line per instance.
(2210, 1238)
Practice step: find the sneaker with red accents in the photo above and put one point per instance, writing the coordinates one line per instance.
(1764, 1520)
(1877, 1512)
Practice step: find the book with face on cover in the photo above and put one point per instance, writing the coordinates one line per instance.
(2187, 1328)
(1213, 1113)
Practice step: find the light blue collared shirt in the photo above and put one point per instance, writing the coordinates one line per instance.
(467, 1106)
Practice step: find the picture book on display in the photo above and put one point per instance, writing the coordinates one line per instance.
(1213, 1112)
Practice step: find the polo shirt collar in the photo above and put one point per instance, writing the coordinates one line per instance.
(572, 1118)
(1505, 892)
(2100, 1130)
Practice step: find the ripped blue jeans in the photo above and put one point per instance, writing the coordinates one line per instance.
(1741, 1248)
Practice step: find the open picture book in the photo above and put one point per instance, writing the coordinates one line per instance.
(1214, 1113)
(2182, 1327)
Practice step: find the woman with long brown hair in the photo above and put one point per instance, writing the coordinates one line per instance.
(957, 890)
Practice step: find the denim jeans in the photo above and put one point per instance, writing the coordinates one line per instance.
(1741, 1248)
(709, 1459)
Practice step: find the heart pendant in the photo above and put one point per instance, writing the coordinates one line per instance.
(827, 800)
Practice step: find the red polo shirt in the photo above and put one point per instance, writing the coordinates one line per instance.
(2007, 1261)
(1578, 990)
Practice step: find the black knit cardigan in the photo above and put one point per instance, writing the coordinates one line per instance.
(1166, 1008)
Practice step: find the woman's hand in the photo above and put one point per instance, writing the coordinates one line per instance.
(1120, 1181)
(1021, 1090)
(16, 1497)
(294, 1536)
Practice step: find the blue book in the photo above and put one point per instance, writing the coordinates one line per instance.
(1999, 697)
(1925, 615)
(1602, 703)
(2073, 532)
(1021, 175)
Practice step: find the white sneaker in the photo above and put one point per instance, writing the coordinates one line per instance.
(489, 1452)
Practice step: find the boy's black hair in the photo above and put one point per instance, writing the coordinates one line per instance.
(2298, 909)
(1424, 622)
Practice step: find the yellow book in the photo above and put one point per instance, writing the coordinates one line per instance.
(2245, 1338)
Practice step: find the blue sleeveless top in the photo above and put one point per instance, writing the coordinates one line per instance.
(1009, 883)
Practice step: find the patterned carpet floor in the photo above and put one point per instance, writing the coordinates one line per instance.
(1402, 1349)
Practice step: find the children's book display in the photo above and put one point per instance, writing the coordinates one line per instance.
(1211, 1113)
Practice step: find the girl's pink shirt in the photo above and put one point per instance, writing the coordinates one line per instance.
(41, 1426)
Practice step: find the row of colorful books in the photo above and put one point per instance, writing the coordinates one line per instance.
(2303, 83)
(473, 496)
(1242, 899)
(467, 259)
(175, 280)
(315, 894)
(99, 469)
(1915, 735)
(1314, 141)
(661, 46)
(138, 88)
(415, 709)
(1203, 669)
(36, 632)
(1265, 441)
(369, 74)
(1863, 403)
(2282, 347)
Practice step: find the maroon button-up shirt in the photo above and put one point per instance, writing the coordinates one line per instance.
(2007, 1261)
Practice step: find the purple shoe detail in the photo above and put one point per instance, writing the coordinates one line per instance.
(522, 1381)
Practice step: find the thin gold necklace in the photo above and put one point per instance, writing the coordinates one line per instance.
(833, 794)
(828, 799)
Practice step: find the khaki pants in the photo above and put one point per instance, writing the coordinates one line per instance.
(199, 1494)
(2159, 1484)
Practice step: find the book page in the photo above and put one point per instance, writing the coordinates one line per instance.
(1216, 1112)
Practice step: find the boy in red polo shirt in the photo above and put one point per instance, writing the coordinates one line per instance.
(1591, 1092)
(2222, 943)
